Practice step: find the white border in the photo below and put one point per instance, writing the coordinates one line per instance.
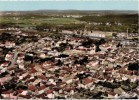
(69, 0)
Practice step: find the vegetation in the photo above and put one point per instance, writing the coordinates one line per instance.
(109, 84)
(127, 21)
(127, 85)
(58, 28)
(32, 21)
(133, 66)
(39, 22)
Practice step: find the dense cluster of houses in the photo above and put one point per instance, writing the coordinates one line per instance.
(66, 66)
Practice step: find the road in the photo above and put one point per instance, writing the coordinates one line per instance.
(14, 59)
(22, 50)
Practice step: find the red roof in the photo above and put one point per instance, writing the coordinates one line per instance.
(28, 76)
(50, 85)
(31, 65)
(31, 80)
(42, 87)
(21, 55)
(33, 70)
(112, 93)
(25, 96)
(7, 92)
(69, 89)
(42, 77)
(5, 63)
(49, 91)
(20, 91)
(11, 68)
(87, 80)
(109, 69)
(31, 87)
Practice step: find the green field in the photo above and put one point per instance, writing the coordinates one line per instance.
(60, 20)
(22, 21)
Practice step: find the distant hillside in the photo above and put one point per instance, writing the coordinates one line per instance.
(61, 12)
(122, 18)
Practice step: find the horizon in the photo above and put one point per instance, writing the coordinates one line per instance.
(64, 10)
(110, 5)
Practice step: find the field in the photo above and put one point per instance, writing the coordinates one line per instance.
(32, 21)
(57, 21)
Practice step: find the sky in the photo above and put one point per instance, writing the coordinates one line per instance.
(21, 5)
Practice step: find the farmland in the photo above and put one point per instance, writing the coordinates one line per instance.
(32, 21)
(113, 22)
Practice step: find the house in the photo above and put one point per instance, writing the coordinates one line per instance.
(43, 55)
(50, 94)
(112, 95)
(9, 44)
(8, 56)
(7, 94)
(31, 88)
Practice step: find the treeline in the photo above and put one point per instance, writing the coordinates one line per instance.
(8, 24)
(129, 22)
(50, 27)
(124, 19)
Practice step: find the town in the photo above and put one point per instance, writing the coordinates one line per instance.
(71, 51)
(72, 65)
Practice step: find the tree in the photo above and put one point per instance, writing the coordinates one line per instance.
(114, 34)
(97, 48)
(133, 66)
(59, 63)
